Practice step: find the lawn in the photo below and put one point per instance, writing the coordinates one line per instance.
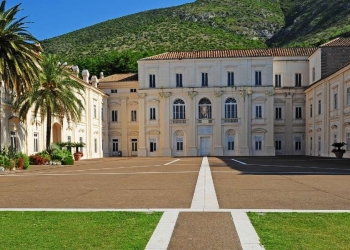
(67, 230)
(302, 230)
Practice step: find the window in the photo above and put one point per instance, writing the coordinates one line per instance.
(319, 107)
(95, 111)
(152, 145)
(179, 144)
(113, 91)
(348, 141)
(278, 144)
(278, 113)
(134, 145)
(204, 79)
(298, 114)
(319, 143)
(297, 143)
(13, 140)
(231, 143)
(152, 81)
(278, 81)
(310, 143)
(348, 96)
(178, 80)
(297, 80)
(152, 113)
(230, 78)
(102, 116)
(335, 101)
(81, 141)
(313, 74)
(133, 116)
(258, 143)
(36, 142)
(133, 90)
(95, 142)
(204, 109)
(114, 115)
(179, 112)
(115, 145)
(334, 138)
(231, 108)
(69, 138)
(257, 77)
(310, 110)
(258, 112)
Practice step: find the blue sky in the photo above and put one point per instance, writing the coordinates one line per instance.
(56, 17)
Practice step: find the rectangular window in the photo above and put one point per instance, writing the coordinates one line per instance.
(69, 138)
(278, 113)
(230, 143)
(298, 114)
(335, 100)
(319, 143)
(95, 145)
(102, 116)
(152, 81)
(297, 80)
(133, 90)
(133, 116)
(13, 140)
(313, 74)
(258, 143)
(348, 96)
(348, 141)
(81, 141)
(297, 143)
(310, 144)
(95, 111)
(114, 115)
(257, 78)
(258, 112)
(115, 145)
(310, 110)
(278, 145)
(179, 144)
(178, 80)
(230, 78)
(152, 145)
(278, 81)
(334, 138)
(113, 91)
(152, 113)
(204, 79)
(319, 107)
(36, 142)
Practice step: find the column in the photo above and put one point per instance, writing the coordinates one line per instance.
(218, 148)
(191, 115)
(288, 140)
(245, 128)
(270, 135)
(165, 123)
(142, 151)
(125, 118)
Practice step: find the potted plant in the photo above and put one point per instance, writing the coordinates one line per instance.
(78, 154)
(338, 151)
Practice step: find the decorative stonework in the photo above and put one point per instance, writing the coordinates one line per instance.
(243, 93)
(269, 93)
(115, 133)
(69, 128)
(124, 98)
(114, 104)
(179, 133)
(153, 100)
(96, 133)
(153, 132)
(165, 95)
(334, 126)
(133, 103)
(141, 95)
(81, 130)
(249, 91)
(133, 133)
(219, 93)
(259, 131)
(192, 94)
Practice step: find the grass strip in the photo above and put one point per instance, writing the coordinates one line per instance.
(68, 230)
(302, 230)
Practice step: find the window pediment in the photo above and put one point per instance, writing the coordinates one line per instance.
(259, 131)
(259, 99)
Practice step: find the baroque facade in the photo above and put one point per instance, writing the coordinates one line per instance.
(255, 102)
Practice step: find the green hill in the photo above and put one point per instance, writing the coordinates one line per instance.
(210, 24)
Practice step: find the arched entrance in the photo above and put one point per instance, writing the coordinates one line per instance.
(56, 132)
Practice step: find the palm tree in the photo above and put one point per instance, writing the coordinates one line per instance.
(55, 94)
(19, 51)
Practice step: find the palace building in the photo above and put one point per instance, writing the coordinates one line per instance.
(254, 102)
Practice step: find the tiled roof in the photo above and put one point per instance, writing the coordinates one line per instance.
(338, 42)
(270, 52)
(130, 77)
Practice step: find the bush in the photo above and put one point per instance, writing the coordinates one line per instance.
(19, 163)
(37, 160)
(25, 159)
(68, 161)
(6, 162)
(44, 154)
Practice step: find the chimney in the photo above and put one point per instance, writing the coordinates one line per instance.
(101, 75)
(85, 73)
(94, 81)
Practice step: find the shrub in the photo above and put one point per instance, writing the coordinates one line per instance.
(68, 161)
(37, 160)
(25, 160)
(19, 163)
(44, 154)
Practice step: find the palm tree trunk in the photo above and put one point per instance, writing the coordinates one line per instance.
(48, 129)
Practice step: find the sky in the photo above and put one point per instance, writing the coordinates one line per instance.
(50, 18)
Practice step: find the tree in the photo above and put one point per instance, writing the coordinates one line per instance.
(19, 51)
(56, 93)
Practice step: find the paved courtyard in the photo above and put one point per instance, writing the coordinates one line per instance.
(204, 199)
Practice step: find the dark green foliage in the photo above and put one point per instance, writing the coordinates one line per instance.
(68, 161)
(25, 159)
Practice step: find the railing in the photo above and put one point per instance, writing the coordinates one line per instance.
(205, 121)
(179, 121)
(230, 120)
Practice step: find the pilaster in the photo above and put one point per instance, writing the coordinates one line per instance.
(165, 124)
(142, 151)
(192, 149)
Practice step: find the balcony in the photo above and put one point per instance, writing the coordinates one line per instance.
(205, 121)
(179, 121)
(231, 120)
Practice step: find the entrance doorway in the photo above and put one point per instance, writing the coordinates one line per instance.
(205, 146)
(134, 147)
(115, 147)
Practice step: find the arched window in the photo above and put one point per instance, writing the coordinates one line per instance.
(230, 108)
(179, 112)
(204, 109)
